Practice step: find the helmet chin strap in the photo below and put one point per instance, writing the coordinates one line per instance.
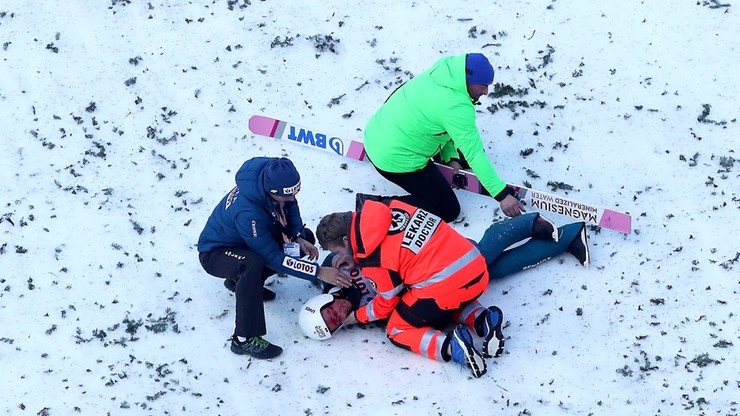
(337, 328)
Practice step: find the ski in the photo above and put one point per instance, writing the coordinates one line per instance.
(353, 149)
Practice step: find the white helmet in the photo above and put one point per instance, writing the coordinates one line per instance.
(310, 320)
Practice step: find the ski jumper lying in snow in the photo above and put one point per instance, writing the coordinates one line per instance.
(416, 271)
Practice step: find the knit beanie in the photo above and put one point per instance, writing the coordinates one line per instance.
(280, 177)
(478, 70)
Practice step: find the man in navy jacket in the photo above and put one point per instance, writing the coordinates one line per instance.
(255, 231)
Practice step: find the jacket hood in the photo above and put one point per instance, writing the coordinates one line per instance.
(249, 179)
(369, 227)
(449, 72)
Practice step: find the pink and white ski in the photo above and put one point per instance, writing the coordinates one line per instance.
(353, 149)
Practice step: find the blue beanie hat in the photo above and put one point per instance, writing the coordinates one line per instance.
(280, 177)
(478, 70)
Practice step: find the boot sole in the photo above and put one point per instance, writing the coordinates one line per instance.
(473, 360)
(498, 335)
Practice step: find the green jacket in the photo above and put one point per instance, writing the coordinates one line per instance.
(432, 113)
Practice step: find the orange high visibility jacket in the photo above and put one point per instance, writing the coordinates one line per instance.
(400, 247)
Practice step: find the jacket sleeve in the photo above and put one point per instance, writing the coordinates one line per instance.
(460, 124)
(448, 151)
(258, 238)
(381, 306)
(377, 309)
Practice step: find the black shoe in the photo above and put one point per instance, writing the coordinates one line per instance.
(488, 325)
(257, 347)
(544, 229)
(579, 247)
(230, 284)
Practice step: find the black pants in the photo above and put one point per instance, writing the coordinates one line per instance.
(428, 190)
(248, 270)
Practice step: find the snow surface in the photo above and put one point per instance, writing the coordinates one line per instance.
(123, 123)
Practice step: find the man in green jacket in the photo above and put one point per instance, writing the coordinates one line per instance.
(431, 114)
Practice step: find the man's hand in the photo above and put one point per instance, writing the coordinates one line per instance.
(351, 319)
(512, 206)
(343, 261)
(334, 277)
(308, 248)
(454, 164)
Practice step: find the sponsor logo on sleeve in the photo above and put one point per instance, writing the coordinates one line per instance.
(231, 197)
(299, 265)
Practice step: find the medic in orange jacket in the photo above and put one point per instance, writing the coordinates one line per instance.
(421, 268)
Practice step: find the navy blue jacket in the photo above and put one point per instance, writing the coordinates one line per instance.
(248, 216)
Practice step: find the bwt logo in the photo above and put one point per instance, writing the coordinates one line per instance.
(316, 139)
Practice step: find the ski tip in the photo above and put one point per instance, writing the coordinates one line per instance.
(262, 125)
(616, 221)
